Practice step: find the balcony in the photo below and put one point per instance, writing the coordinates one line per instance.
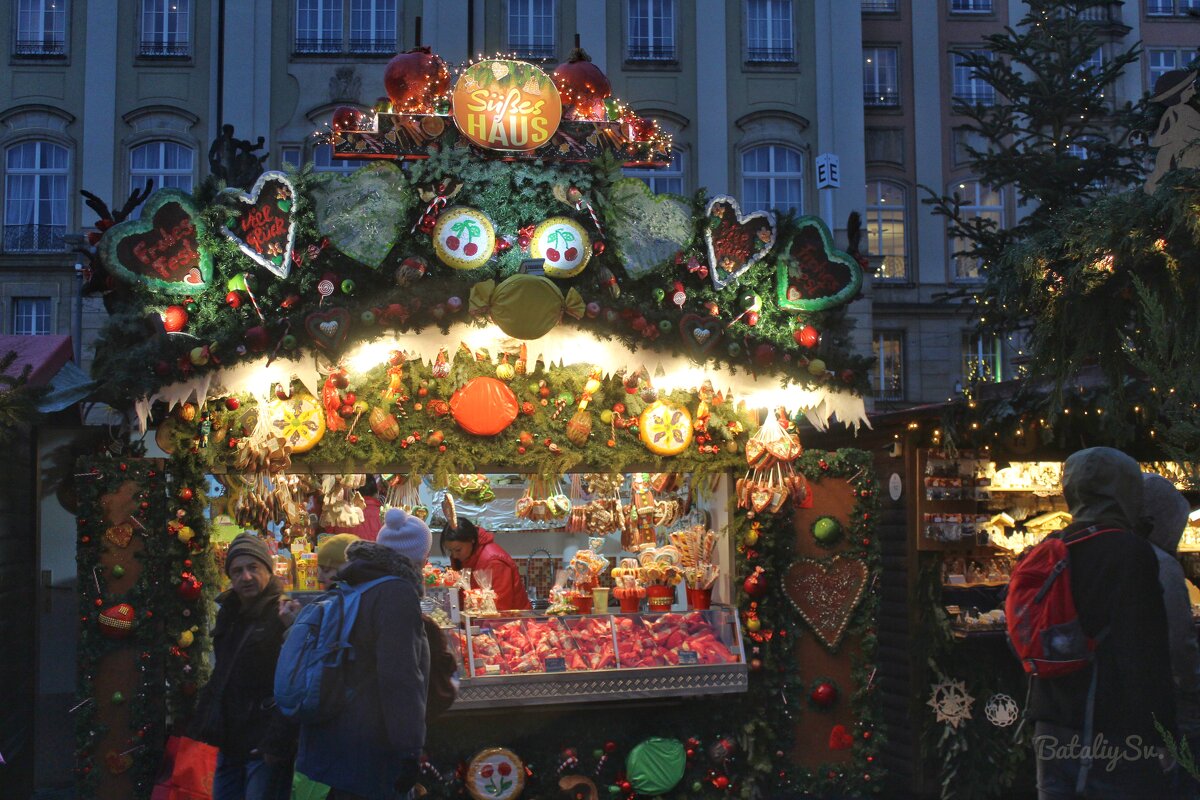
(650, 52)
(770, 55)
(373, 46)
(153, 49)
(881, 98)
(530, 51)
(321, 46)
(879, 6)
(40, 48)
(35, 238)
(982, 96)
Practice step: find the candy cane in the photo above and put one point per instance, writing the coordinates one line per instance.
(438, 203)
(582, 204)
(253, 300)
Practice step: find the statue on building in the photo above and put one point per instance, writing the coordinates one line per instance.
(345, 86)
(234, 161)
(1178, 134)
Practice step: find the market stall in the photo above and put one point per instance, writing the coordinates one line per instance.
(612, 380)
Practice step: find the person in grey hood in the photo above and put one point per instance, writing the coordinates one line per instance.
(1165, 515)
(1095, 732)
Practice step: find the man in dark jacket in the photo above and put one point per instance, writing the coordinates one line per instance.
(1114, 582)
(371, 749)
(237, 713)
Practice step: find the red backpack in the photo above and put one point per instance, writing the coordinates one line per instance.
(1043, 625)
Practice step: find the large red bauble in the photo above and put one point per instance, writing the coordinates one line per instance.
(117, 622)
(824, 695)
(414, 79)
(190, 588)
(808, 336)
(581, 83)
(257, 339)
(174, 319)
(346, 118)
(755, 585)
(764, 354)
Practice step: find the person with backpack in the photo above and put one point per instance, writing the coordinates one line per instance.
(1100, 677)
(237, 712)
(366, 738)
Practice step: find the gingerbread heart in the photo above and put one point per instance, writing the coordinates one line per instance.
(736, 242)
(161, 249)
(760, 500)
(119, 535)
(263, 224)
(815, 275)
(117, 762)
(840, 738)
(652, 229)
(825, 594)
(328, 329)
(700, 334)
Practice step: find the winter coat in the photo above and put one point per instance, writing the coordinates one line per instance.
(1114, 582)
(364, 748)
(237, 712)
(506, 579)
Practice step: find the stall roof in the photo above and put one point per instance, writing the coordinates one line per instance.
(50, 361)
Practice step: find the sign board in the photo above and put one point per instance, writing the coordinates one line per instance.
(829, 175)
(895, 486)
(506, 105)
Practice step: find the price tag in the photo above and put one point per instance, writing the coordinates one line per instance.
(556, 665)
(688, 657)
(491, 669)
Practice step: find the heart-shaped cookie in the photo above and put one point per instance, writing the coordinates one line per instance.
(825, 594)
(700, 334)
(377, 192)
(651, 228)
(840, 738)
(161, 248)
(262, 223)
(815, 275)
(117, 762)
(736, 242)
(328, 329)
(119, 535)
(760, 500)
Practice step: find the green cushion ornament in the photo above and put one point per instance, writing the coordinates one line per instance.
(656, 765)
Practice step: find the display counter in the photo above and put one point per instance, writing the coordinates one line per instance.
(541, 660)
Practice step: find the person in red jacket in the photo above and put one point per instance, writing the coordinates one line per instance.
(476, 550)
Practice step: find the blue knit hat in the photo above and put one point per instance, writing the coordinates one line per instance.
(406, 534)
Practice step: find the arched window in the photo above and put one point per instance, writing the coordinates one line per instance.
(323, 161)
(772, 178)
(35, 197)
(168, 164)
(977, 201)
(886, 226)
(668, 180)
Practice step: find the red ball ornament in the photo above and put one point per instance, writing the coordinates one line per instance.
(755, 584)
(598, 247)
(346, 118)
(117, 622)
(186, 494)
(824, 695)
(764, 354)
(582, 84)
(174, 319)
(415, 79)
(234, 300)
(808, 336)
(232, 403)
(190, 588)
(257, 339)
(721, 782)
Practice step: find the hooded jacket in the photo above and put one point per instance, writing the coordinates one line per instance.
(1114, 582)
(381, 731)
(506, 579)
(237, 712)
(1165, 512)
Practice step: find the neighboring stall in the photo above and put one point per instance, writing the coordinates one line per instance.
(578, 362)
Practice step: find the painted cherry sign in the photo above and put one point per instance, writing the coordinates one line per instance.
(506, 105)
(463, 238)
(262, 223)
(564, 245)
(161, 249)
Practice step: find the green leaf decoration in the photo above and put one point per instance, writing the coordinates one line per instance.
(363, 214)
(648, 229)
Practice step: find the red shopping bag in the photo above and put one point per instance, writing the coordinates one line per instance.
(187, 770)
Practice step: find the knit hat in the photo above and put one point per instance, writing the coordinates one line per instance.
(247, 544)
(407, 535)
(331, 553)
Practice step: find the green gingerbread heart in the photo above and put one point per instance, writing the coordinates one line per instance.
(161, 249)
(650, 228)
(814, 275)
(363, 213)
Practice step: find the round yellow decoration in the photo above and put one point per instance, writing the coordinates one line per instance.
(564, 244)
(299, 421)
(495, 774)
(463, 238)
(666, 430)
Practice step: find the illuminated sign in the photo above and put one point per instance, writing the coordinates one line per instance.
(506, 105)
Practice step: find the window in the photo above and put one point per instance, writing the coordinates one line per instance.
(323, 161)
(969, 87)
(165, 28)
(982, 359)
(885, 225)
(668, 180)
(168, 164)
(41, 28)
(977, 201)
(291, 156)
(970, 6)
(651, 30)
(1094, 63)
(35, 197)
(769, 31)
(1166, 8)
(1160, 61)
(318, 26)
(531, 29)
(31, 316)
(373, 26)
(887, 365)
(772, 178)
(881, 77)
(879, 6)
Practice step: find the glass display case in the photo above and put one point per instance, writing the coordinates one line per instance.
(532, 660)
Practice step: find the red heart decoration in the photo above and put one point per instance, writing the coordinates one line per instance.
(328, 329)
(825, 593)
(117, 762)
(840, 738)
(736, 242)
(700, 334)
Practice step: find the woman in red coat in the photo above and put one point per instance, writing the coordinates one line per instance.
(476, 550)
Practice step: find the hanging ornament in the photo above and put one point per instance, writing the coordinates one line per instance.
(504, 370)
(824, 694)
(116, 622)
(1001, 710)
(174, 319)
(441, 365)
(755, 585)
(347, 118)
(190, 587)
(564, 245)
(808, 336)
(463, 238)
(679, 296)
(951, 703)
(415, 79)
(826, 530)
(583, 85)
(411, 270)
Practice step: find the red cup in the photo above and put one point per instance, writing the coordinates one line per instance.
(630, 605)
(660, 598)
(699, 599)
(582, 603)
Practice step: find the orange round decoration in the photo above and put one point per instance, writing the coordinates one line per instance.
(506, 105)
(666, 430)
(484, 406)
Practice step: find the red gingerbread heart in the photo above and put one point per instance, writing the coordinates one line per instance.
(840, 738)
(736, 242)
(825, 594)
